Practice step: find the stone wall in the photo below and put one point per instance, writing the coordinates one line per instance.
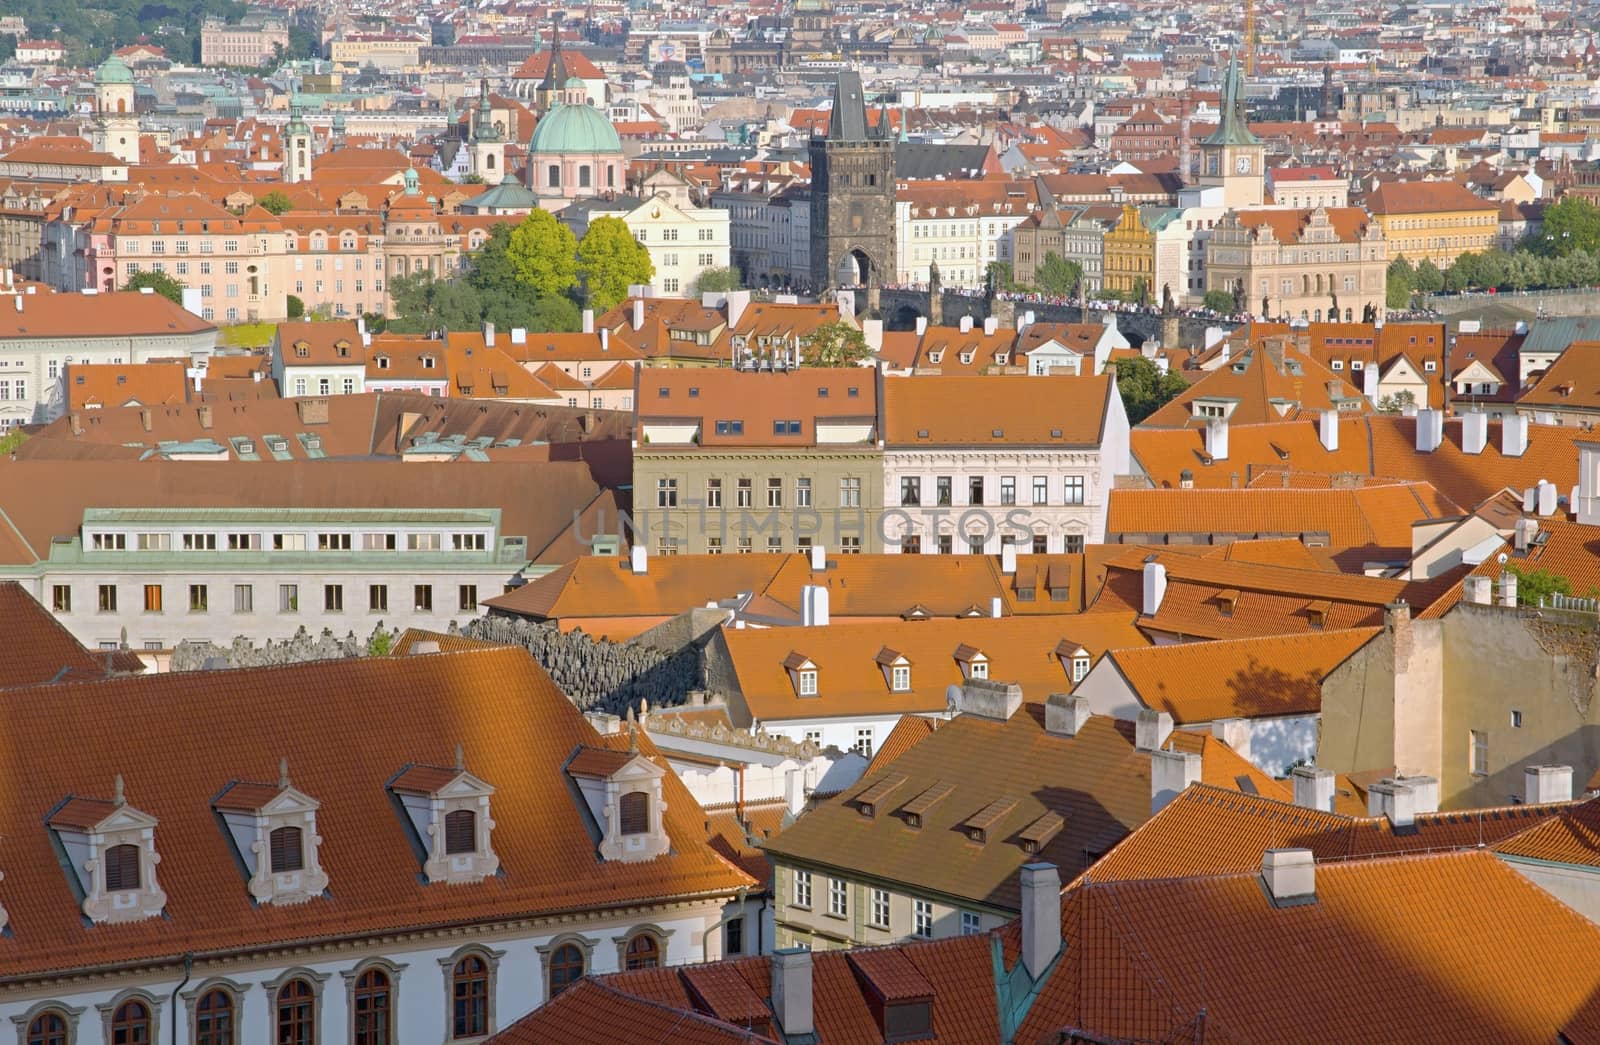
(598, 674)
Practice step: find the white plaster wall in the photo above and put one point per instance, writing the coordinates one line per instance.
(1577, 887)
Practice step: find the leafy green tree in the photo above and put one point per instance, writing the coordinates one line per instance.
(835, 344)
(1218, 301)
(1533, 585)
(543, 252)
(610, 260)
(1056, 275)
(1001, 275)
(1569, 225)
(1493, 268)
(1145, 389)
(1394, 404)
(556, 315)
(297, 308)
(1463, 274)
(423, 304)
(12, 441)
(717, 281)
(1524, 270)
(159, 282)
(275, 202)
(1402, 280)
(1427, 278)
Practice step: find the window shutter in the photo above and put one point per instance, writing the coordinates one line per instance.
(122, 868)
(287, 854)
(460, 832)
(635, 813)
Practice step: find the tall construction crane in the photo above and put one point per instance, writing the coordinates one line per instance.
(1249, 37)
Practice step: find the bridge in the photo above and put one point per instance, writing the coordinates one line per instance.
(1512, 305)
(902, 308)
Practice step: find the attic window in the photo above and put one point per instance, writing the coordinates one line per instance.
(979, 824)
(448, 809)
(112, 857)
(122, 868)
(1338, 364)
(427, 362)
(273, 828)
(918, 807)
(302, 350)
(1356, 364)
(634, 808)
(822, 392)
(1430, 365)
(460, 832)
(288, 852)
(922, 433)
(1317, 612)
(936, 356)
(1228, 599)
(1036, 835)
(870, 799)
(966, 358)
(342, 349)
(383, 362)
(998, 433)
(853, 392)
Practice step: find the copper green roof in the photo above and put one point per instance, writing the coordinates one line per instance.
(1234, 128)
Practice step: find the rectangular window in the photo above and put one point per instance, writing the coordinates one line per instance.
(666, 493)
(922, 918)
(969, 923)
(422, 542)
(879, 914)
(1072, 490)
(199, 598)
(802, 493)
(774, 492)
(422, 598)
(838, 897)
(244, 598)
(1041, 544)
(850, 494)
(110, 542)
(941, 490)
(333, 598)
(802, 889)
(61, 598)
(152, 542)
(199, 542)
(244, 542)
(1480, 753)
(863, 744)
(469, 542)
(288, 598)
(152, 598)
(713, 545)
(911, 491)
(850, 545)
(975, 544)
(1008, 489)
(108, 598)
(1074, 544)
(1041, 490)
(377, 542)
(713, 493)
(378, 598)
(467, 598)
(333, 542)
(745, 493)
(746, 545)
(975, 490)
(947, 544)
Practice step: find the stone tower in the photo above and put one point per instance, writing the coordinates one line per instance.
(1232, 156)
(852, 196)
(116, 125)
(296, 147)
(1329, 104)
(488, 144)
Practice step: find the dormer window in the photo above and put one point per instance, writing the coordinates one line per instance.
(966, 359)
(802, 674)
(622, 791)
(1075, 660)
(896, 670)
(110, 849)
(999, 359)
(448, 810)
(273, 828)
(427, 362)
(974, 663)
(936, 356)
(302, 350)
(383, 362)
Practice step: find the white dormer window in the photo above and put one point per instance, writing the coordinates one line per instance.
(936, 356)
(974, 663)
(273, 828)
(808, 682)
(1338, 364)
(1355, 364)
(966, 359)
(900, 678)
(111, 851)
(449, 811)
(999, 359)
(802, 674)
(1430, 366)
(1080, 666)
(622, 790)
(978, 669)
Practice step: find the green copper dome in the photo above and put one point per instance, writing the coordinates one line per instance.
(113, 70)
(574, 129)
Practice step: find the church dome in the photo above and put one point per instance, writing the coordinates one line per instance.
(113, 70)
(574, 129)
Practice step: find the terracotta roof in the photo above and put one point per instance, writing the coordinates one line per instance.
(1571, 836)
(36, 648)
(331, 343)
(1424, 197)
(604, 586)
(517, 730)
(91, 385)
(1288, 225)
(118, 314)
(910, 731)
(1571, 383)
(591, 1012)
(1039, 411)
(756, 401)
(1267, 383)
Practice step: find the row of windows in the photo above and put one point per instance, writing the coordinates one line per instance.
(744, 491)
(244, 599)
(977, 544)
(746, 545)
(878, 906)
(247, 541)
(1072, 490)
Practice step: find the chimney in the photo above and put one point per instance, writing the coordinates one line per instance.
(1217, 439)
(990, 325)
(1155, 587)
(1041, 917)
(791, 991)
(205, 417)
(1395, 800)
(1330, 431)
(639, 559)
(488, 334)
(1151, 730)
(256, 376)
(519, 336)
(1508, 590)
(1065, 714)
(1548, 499)
(1424, 793)
(1474, 432)
(1547, 784)
(146, 419)
(1478, 590)
(819, 558)
(1289, 876)
(737, 302)
(794, 791)
(1513, 435)
(1008, 558)
(605, 339)
(588, 321)
(872, 333)
(1430, 430)
(814, 606)
(922, 325)
(1313, 788)
(1186, 479)
(638, 313)
(422, 646)
(987, 698)
(1369, 383)
(966, 324)
(1524, 533)
(1170, 773)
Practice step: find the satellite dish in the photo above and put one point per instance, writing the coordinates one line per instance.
(952, 698)
(1503, 558)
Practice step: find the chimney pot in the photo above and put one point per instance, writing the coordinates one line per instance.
(588, 321)
(1329, 431)
(1393, 799)
(986, 698)
(1155, 587)
(1170, 772)
(966, 325)
(1041, 917)
(1008, 558)
(819, 558)
(639, 559)
(1430, 430)
(1513, 435)
(1217, 439)
(1474, 432)
(814, 606)
(1289, 875)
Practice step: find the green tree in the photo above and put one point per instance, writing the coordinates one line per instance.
(835, 344)
(1569, 225)
(610, 260)
(1145, 389)
(1218, 301)
(717, 281)
(1428, 279)
(1402, 280)
(159, 282)
(12, 441)
(1396, 403)
(275, 202)
(1524, 270)
(1533, 585)
(297, 308)
(1463, 274)
(380, 642)
(1056, 275)
(423, 304)
(1001, 275)
(543, 253)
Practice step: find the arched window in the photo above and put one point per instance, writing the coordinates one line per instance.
(297, 1013)
(470, 995)
(643, 952)
(460, 832)
(213, 1019)
(583, 176)
(566, 968)
(635, 808)
(555, 176)
(130, 1024)
(372, 1004)
(287, 852)
(48, 1028)
(122, 868)
(488, 161)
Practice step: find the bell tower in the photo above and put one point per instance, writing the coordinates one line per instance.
(1232, 156)
(852, 195)
(488, 144)
(116, 125)
(296, 147)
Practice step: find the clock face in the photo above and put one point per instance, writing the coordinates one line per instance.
(1243, 164)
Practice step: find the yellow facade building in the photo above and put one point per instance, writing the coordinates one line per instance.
(1437, 220)
(1130, 253)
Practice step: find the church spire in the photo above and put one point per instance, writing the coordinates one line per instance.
(483, 128)
(1234, 128)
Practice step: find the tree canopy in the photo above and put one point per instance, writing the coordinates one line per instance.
(275, 202)
(542, 253)
(1056, 275)
(835, 344)
(1145, 389)
(1218, 301)
(1572, 224)
(160, 282)
(610, 260)
(717, 281)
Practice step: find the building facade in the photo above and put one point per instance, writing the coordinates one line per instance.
(1297, 264)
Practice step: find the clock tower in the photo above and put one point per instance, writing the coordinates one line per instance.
(1232, 157)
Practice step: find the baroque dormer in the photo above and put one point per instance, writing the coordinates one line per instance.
(449, 811)
(273, 828)
(111, 851)
(622, 790)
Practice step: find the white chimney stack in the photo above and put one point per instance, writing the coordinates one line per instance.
(872, 334)
(791, 990)
(1548, 498)
(488, 334)
(1065, 714)
(1508, 590)
(1041, 917)
(922, 325)
(1290, 876)
(794, 791)
(639, 559)
(996, 607)
(1393, 799)
(1369, 383)
(819, 558)
(638, 313)
(1170, 773)
(1474, 432)
(966, 324)
(1217, 439)
(1008, 558)
(1329, 431)
(1430, 430)
(1313, 788)
(1155, 587)
(1151, 730)
(1478, 590)
(1514, 435)
(1543, 784)
(814, 606)
(990, 325)
(588, 321)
